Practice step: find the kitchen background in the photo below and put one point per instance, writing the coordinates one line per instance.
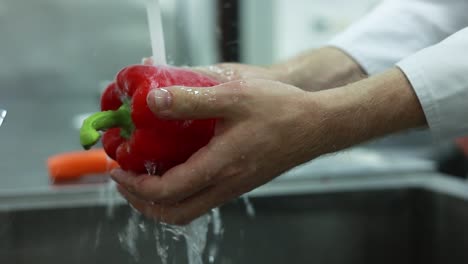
(56, 56)
(380, 202)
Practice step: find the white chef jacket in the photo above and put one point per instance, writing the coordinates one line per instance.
(428, 41)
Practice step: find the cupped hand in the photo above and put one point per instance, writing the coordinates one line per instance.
(262, 132)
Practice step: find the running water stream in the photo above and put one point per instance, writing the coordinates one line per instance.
(195, 234)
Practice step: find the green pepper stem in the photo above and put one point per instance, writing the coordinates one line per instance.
(89, 132)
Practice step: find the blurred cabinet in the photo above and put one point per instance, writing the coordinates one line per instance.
(87, 42)
(57, 55)
(273, 30)
(277, 29)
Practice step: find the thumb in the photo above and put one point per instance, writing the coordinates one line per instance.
(180, 102)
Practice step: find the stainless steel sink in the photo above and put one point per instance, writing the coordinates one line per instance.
(404, 219)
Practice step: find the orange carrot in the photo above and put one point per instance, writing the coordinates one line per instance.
(73, 165)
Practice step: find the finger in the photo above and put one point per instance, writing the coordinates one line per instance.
(178, 213)
(214, 72)
(144, 186)
(200, 203)
(170, 213)
(197, 173)
(184, 212)
(144, 207)
(179, 102)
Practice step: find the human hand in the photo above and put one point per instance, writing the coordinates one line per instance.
(264, 128)
(313, 70)
(226, 72)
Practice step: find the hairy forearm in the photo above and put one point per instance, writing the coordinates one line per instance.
(319, 69)
(368, 109)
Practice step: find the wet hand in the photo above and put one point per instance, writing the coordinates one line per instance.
(261, 133)
(226, 72)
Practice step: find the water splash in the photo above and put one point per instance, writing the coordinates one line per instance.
(108, 195)
(3, 113)
(162, 247)
(217, 223)
(187, 123)
(248, 206)
(227, 73)
(217, 235)
(195, 235)
(151, 167)
(128, 238)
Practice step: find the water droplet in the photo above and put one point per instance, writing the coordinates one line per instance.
(142, 227)
(195, 235)
(215, 69)
(248, 206)
(229, 74)
(187, 123)
(151, 167)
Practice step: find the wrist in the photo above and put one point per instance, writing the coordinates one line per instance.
(319, 69)
(368, 109)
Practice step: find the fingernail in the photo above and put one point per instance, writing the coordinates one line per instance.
(159, 100)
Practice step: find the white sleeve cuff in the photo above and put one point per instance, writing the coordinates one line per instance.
(439, 78)
(396, 29)
(416, 77)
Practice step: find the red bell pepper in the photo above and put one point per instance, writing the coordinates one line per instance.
(137, 139)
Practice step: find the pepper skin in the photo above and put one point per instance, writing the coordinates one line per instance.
(136, 138)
